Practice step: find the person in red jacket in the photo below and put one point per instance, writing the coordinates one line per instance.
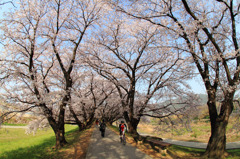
(122, 130)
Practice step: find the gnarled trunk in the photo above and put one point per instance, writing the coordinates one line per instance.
(58, 127)
(217, 142)
(132, 123)
(59, 132)
(60, 137)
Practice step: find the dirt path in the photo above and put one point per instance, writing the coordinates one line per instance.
(110, 147)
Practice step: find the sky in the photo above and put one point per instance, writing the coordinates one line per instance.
(197, 85)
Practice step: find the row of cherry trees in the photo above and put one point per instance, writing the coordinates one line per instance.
(132, 56)
(52, 47)
(207, 31)
(40, 64)
(77, 60)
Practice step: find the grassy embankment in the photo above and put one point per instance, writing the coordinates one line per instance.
(201, 131)
(15, 144)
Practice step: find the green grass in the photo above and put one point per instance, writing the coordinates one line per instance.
(114, 127)
(187, 150)
(15, 144)
(234, 154)
(10, 124)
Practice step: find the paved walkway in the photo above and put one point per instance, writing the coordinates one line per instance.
(110, 147)
(230, 145)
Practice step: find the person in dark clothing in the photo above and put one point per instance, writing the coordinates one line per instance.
(102, 128)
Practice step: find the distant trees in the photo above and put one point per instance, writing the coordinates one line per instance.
(207, 31)
(89, 96)
(111, 109)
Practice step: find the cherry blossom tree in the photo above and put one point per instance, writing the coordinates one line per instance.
(130, 55)
(89, 94)
(111, 109)
(42, 41)
(21, 55)
(73, 18)
(207, 31)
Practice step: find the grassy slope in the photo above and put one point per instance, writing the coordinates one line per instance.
(201, 132)
(14, 143)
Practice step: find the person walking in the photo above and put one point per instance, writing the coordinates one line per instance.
(97, 122)
(102, 128)
(122, 130)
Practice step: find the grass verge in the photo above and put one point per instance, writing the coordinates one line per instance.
(15, 144)
(187, 152)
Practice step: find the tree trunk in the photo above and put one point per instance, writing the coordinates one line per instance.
(111, 122)
(79, 123)
(217, 142)
(132, 126)
(90, 120)
(132, 123)
(59, 133)
(58, 127)
(60, 138)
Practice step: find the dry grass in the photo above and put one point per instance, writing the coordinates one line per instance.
(201, 133)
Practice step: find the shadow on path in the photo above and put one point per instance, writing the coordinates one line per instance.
(110, 147)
